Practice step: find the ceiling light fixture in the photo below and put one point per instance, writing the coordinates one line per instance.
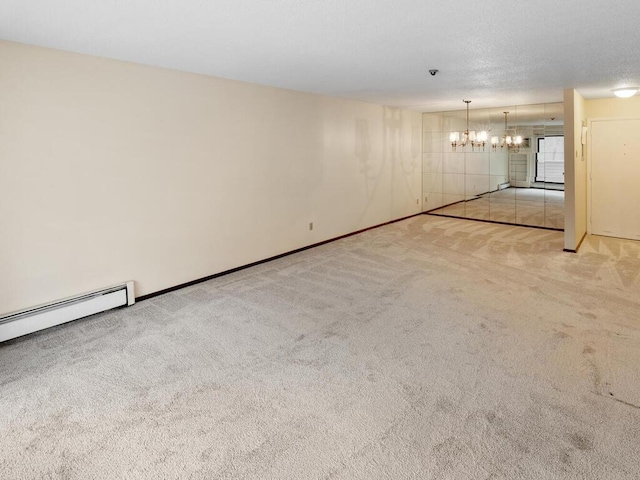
(625, 92)
(512, 142)
(476, 139)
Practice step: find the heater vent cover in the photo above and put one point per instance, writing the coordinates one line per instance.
(31, 320)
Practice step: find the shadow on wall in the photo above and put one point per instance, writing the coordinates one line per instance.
(394, 151)
(394, 142)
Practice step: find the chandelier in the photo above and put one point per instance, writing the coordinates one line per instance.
(478, 139)
(512, 142)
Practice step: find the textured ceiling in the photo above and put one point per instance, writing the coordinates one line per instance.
(497, 52)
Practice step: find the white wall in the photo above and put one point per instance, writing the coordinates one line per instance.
(112, 171)
(575, 205)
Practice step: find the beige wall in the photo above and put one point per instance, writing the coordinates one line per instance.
(112, 171)
(575, 206)
(613, 108)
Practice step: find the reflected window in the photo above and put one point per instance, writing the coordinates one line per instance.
(550, 159)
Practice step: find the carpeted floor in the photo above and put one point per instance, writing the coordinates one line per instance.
(432, 348)
(523, 206)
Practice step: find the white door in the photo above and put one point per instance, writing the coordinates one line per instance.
(615, 175)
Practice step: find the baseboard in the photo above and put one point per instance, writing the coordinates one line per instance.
(477, 197)
(570, 250)
(259, 262)
(444, 206)
(493, 221)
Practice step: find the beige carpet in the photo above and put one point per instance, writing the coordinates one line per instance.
(523, 206)
(431, 348)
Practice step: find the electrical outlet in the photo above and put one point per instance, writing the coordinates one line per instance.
(417, 201)
(310, 225)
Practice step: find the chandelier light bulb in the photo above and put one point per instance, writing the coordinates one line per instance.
(454, 138)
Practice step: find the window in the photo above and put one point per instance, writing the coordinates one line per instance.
(550, 159)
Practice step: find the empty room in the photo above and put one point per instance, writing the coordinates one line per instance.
(319, 240)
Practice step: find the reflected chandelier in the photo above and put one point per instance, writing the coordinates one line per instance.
(512, 142)
(478, 139)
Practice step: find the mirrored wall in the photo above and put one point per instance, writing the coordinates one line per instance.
(516, 176)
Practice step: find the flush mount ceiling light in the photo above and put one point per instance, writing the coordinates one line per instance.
(625, 92)
(478, 139)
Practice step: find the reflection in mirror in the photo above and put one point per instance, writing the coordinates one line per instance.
(515, 175)
(477, 171)
(502, 196)
(529, 123)
(453, 159)
(551, 165)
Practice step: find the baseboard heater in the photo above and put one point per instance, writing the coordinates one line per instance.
(31, 320)
(502, 186)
